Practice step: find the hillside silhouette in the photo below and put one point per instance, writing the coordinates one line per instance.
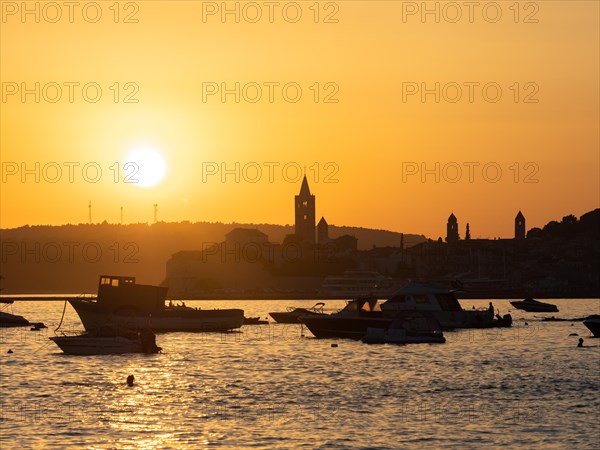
(70, 258)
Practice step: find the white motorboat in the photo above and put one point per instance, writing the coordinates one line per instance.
(442, 304)
(103, 342)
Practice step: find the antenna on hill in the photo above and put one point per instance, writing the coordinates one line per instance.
(155, 212)
(90, 212)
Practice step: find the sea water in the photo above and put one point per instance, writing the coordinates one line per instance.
(276, 386)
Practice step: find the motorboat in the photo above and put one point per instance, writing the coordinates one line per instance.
(593, 324)
(255, 321)
(531, 305)
(292, 315)
(418, 329)
(107, 341)
(11, 320)
(443, 305)
(123, 303)
(351, 322)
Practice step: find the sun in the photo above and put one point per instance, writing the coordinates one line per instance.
(145, 167)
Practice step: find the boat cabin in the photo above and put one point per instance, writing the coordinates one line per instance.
(123, 292)
(422, 298)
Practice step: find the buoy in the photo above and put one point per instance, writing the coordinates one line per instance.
(130, 379)
(9, 351)
(580, 344)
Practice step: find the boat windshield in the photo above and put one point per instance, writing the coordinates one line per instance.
(371, 306)
(448, 302)
(363, 304)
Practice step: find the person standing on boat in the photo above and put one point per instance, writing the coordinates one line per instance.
(491, 309)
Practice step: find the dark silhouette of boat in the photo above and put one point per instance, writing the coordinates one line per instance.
(531, 305)
(593, 324)
(351, 322)
(255, 321)
(442, 304)
(416, 328)
(124, 304)
(11, 320)
(107, 341)
(561, 319)
(292, 315)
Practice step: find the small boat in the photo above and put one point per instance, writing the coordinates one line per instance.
(351, 322)
(561, 319)
(123, 303)
(292, 315)
(11, 320)
(407, 330)
(255, 321)
(106, 341)
(531, 305)
(593, 324)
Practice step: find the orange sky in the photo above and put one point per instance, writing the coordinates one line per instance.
(547, 150)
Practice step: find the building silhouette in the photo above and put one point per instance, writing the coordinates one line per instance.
(452, 229)
(520, 226)
(304, 204)
(322, 232)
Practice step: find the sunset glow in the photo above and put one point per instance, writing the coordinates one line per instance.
(146, 167)
(399, 118)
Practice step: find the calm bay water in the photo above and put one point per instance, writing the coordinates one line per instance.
(270, 387)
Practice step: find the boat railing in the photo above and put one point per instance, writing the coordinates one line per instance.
(68, 333)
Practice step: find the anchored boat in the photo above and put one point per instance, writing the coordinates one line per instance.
(107, 341)
(11, 320)
(351, 322)
(531, 305)
(123, 303)
(292, 315)
(441, 303)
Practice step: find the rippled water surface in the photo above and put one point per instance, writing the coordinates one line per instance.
(270, 387)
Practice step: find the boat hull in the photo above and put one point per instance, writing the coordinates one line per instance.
(593, 324)
(11, 320)
(535, 307)
(400, 336)
(290, 317)
(450, 320)
(78, 345)
(94, 316)
(327, 326)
